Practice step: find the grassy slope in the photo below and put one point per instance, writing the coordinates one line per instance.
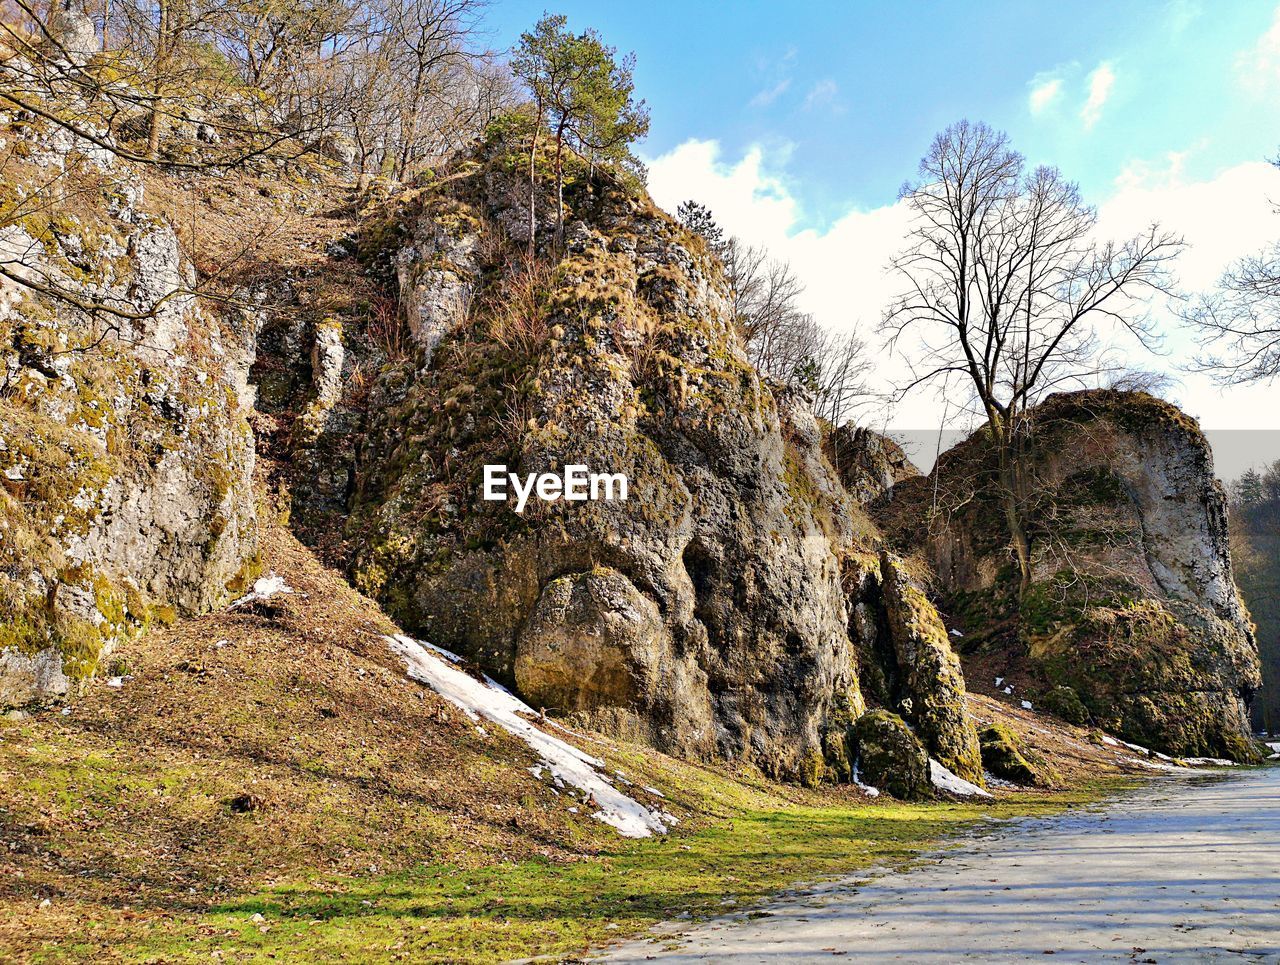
(294, 773)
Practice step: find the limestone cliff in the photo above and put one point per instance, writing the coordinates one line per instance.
(125, 456)
(1134, 605)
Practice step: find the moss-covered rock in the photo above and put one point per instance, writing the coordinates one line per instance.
(1133, 603)
(924, 680)
(1002, 756)
(890, 757)
(1062, 701)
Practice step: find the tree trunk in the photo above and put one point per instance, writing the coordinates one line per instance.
(1011, 496)
(533, 183)
(161, 61)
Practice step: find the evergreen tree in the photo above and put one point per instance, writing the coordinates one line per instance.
(698, 219)
(584, 95)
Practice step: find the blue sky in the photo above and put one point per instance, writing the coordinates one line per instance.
(855, 91)
(798, 124)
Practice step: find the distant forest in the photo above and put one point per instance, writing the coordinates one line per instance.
(1255, 523)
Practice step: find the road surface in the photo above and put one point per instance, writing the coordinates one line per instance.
(1185, 870)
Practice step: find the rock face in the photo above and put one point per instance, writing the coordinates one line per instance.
(125, 456)
(72, 36)
(1133, 606)
(705, 613)
(868, 463)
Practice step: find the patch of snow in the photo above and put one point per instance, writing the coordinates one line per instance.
(115, 683)
(565, 763)
(14, 473)
(957, 633)
(999, 681)
(1274, 745)
(1108, 739)
(944, 780)
(264, 589)
(1153, 765)
(1008, 690)
(866, 789)
(1209, 761)
(1026, 705)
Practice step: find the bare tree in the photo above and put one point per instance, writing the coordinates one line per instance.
(1007, 287)
(840, 387)
(1239, 324)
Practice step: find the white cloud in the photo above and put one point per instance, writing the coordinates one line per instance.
(843, 266)
(1258, 68)
(1100, 83)
(823, 93)
(770, 94)
(1045, 91)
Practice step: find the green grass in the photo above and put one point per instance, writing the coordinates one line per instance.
(448, 913)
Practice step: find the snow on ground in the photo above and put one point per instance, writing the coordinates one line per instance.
(1163, 762)
(566, 764)
(946, 781)
(866, 789)
(264, 589)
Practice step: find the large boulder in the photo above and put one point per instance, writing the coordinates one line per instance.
(890, 757)
(1133, 604)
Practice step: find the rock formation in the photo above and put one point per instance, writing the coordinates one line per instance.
(740, 603)
(125, 456)
(705, 613)
(868, 463)
(1133, 606)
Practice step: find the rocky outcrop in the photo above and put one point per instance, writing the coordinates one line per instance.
(928, 671)
(868, 463)
(705, 612)
(125, 456)
(72, 37)
(1133, 604)
(905, 660)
